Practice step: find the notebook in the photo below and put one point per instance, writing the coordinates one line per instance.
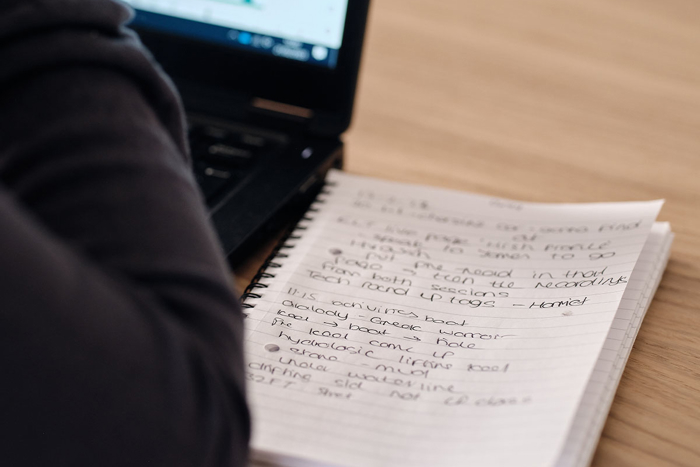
(404, 325)
(268, 86)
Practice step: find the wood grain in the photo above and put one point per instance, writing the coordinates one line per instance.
(557, 100)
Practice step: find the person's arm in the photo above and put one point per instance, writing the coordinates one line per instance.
(120, 337)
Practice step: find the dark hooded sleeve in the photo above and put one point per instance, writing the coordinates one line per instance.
(120, 336)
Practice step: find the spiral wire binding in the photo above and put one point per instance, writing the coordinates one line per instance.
(277, 253)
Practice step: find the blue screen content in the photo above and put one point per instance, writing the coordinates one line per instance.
(308, 31)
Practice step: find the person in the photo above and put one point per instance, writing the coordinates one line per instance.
(120, 336)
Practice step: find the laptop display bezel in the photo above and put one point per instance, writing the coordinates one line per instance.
(242, 76)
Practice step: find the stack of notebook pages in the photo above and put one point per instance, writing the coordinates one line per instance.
(402, 325)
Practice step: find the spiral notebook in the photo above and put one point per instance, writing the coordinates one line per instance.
(403, 325)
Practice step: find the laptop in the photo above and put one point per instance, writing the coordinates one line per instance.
(268, 86)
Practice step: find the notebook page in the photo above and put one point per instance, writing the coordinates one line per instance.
(414, 326)
(601, 388)
(618, 367)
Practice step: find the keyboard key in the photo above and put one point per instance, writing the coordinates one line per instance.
(215, 132)
(223, 157)
(228, 153)
(211, 180)
(253, 140)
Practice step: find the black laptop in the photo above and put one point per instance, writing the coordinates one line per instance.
(269, 87)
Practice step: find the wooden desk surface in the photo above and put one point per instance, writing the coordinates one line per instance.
(558, 100)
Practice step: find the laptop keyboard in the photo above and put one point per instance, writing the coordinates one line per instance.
(223, 157)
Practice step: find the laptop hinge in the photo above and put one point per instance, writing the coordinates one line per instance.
(281, 109)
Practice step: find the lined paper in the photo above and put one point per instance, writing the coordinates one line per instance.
(415, 326)
(600, 391)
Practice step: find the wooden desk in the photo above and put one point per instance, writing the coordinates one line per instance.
(558, 100)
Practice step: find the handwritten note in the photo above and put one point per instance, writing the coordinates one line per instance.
(414, 326)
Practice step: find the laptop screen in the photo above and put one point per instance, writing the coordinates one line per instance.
(309, 31)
